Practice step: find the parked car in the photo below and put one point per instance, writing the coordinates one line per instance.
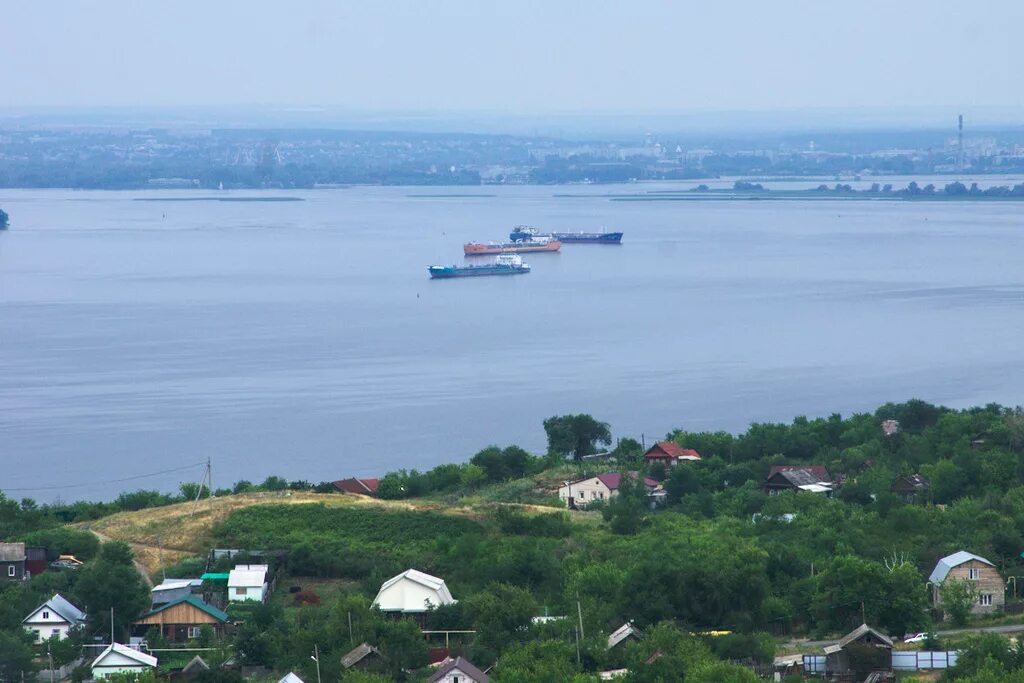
(916, 638)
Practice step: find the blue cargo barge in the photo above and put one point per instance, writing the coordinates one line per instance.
(505, 264)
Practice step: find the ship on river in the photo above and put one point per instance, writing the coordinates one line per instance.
(537, 244)
(525, 233)
(504, 264)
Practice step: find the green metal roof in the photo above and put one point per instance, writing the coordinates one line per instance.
(195, 602)
(214, 576)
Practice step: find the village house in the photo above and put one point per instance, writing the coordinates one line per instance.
(364, 487)
(583, 492)
(458, 670)
(54, 618)
(911, 488)
(669, 454)
(838, 655)
(248, 583)
(290, 677)
(412, 592)
(12, 561)
(118, 658)
(810, 478)
(364, 657)
(988, 582)
(182, 619)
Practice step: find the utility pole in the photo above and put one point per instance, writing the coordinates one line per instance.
(316, 658)
(579, 611)
(351, 637)
(49, 657)
(111, 625)
(578, 662)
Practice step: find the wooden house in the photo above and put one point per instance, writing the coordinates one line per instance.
(12, 562)
(669, 454)
(182, 619)
(912, 488)
(810, 478)
(842, 658)
(988, 582)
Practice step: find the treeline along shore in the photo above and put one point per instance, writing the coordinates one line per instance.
(699, 557)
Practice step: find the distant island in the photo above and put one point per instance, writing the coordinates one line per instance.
(741, 189)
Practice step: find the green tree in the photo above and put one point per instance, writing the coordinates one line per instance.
(576, 435)
(625, 511)
(16, 656)
(957, 597)
(539, 660)
(501, 615)
(112, 582)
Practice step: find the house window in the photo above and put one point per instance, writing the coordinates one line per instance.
(239, 591)
(455, 679)
(10, 570)
(601, 494)
(193, 631)
(985, 600)
(56, 631)
(973, 574)
(46, 615)
(583, 494)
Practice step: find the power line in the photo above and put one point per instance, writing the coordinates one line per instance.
(107, 481)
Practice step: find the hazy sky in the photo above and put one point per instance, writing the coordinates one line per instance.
(514, 56)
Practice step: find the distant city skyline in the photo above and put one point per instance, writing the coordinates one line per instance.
(518, 58)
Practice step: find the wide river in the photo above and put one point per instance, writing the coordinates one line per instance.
(305, 339)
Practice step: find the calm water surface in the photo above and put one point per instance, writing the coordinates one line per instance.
(305, 338)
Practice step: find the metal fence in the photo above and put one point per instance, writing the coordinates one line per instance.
(924, 660)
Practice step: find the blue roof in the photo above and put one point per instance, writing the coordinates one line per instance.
(946, 564)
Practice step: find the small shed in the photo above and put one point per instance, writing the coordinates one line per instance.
(625, 632)
(248, 583)
(363, 656)
(862, 649)
(170, 590)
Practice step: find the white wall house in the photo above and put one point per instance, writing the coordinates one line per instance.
(458, 670)
(602, 487)
(248, 582)
(55, 617)
(412, 591)
(118, 658)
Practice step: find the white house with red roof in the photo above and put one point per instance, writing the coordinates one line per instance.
(670, 453)
(583, 492)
